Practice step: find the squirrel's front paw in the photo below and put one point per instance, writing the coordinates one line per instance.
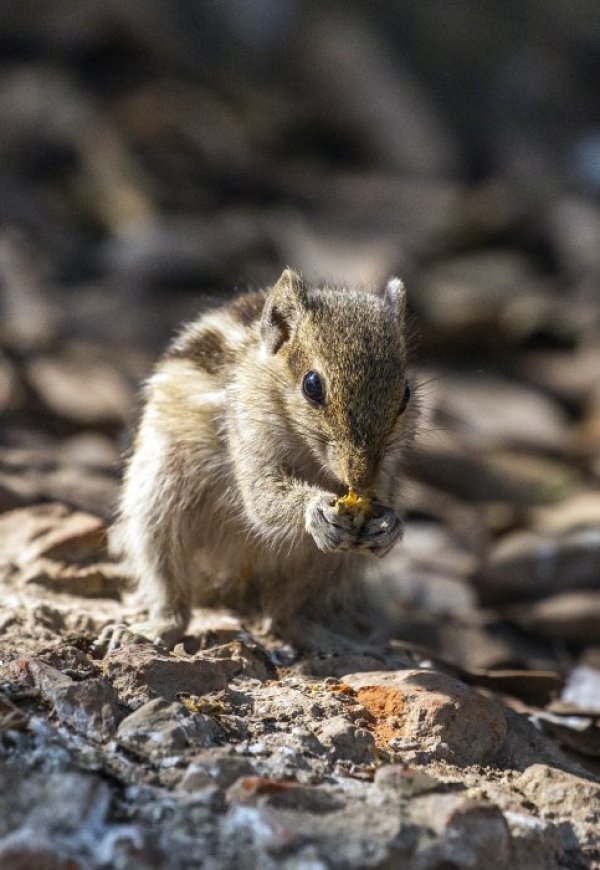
(330, 530)
(380, 532)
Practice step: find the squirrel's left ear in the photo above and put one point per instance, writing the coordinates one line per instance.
(282, 310)
(394, 297)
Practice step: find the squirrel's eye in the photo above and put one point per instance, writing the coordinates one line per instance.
(405, 398)
(312, 387)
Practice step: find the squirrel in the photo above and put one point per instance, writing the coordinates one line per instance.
(261, 414)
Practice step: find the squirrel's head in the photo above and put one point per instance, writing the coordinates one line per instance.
(341, 372)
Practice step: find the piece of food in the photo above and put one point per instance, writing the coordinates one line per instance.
(357, 505)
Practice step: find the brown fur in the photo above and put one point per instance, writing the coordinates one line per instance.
(228, 496)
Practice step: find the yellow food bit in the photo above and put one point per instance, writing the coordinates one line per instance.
(357, 505)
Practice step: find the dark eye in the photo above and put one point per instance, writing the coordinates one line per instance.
(405, 399)
(312, 387)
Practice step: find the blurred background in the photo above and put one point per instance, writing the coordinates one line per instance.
(156, 154)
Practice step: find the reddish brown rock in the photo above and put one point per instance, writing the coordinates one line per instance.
(419, 711)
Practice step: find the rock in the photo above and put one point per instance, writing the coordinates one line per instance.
(578, 512)
(493, 413)
(158, 729)
(419, 713)
(473, 835)
(89, 707)
(91, 491)
(345, 740)
(467, 295)
(140, 673)
(573, 617)
(58, 548)
(560, 794)
(404, 780)
(82, 386)
(570, 375)
(582, 689)
(90, 581)
(52, 531)
(253, 790)
(214, 767)
(494, 477)
(250, 661)
(536, 843)
(579, 733)
(11, 718)
(9, 385)
(530, 565)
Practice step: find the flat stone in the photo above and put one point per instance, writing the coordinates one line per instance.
(419, 712)
(493, 413)
(81, 385)
(526, 564)
(159, 728)
(140, 673)
(572, 617)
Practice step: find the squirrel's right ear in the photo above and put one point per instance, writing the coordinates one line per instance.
(394, 297)
(282, 310)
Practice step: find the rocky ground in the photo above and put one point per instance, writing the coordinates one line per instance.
(155, 156)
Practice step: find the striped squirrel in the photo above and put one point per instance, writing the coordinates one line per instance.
(261, 413)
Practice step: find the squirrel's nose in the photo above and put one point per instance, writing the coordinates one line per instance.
(358, 470)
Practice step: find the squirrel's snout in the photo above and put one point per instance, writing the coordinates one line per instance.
(358, 470)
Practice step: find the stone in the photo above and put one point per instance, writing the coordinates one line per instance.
(420, 713)
(52, 531)
(528, 565)
(90, 707)
(573, 617)
(493, 413)
(140, 673)
(345, 741)
(560, 794)
(498, 476)
(474, 835)
(214, 767)
(579, 512)
(81, 385)
(159, 728)
(404, 780)
(260, 790)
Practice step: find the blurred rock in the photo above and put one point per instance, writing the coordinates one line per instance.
(372, 94)
(27, 479)
(159, 729)
(29, 317)
(501, 476)
(81, 386)
(52, 531)
(89, 707)
(466, 296)
(582, 689)
(573, 617)
(530, 565)
(491, 413)
(579, 512)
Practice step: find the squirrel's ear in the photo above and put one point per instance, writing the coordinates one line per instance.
(394, 297)
(282, 310)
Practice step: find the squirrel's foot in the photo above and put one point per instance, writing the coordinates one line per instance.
(164, 634)
(380, 532)
(330, 530)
